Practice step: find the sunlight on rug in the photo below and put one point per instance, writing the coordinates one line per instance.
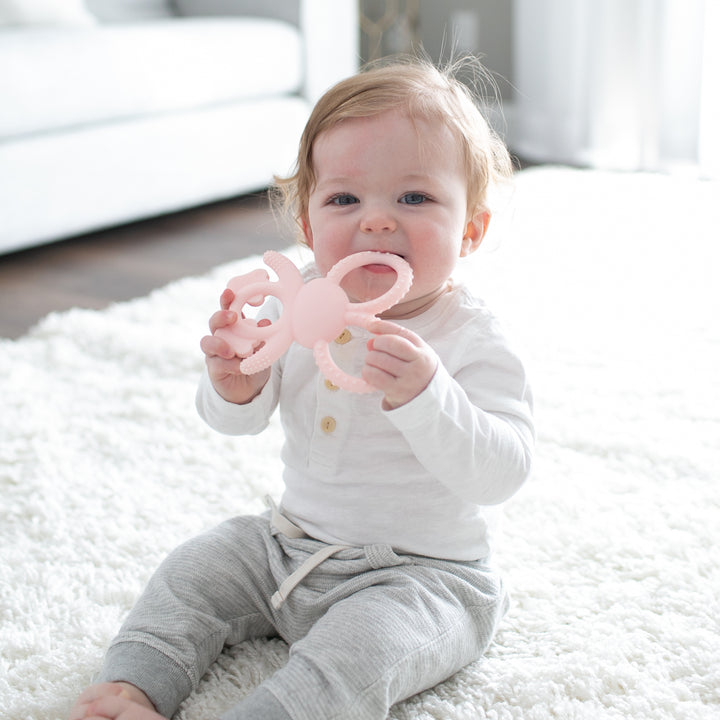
(612, 284)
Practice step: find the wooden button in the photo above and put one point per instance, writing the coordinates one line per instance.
(330, 385)
(328, 424)
(343, 337)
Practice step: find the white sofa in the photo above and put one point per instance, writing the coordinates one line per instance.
(117, 110)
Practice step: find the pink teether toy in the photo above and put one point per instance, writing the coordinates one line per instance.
(313, 314)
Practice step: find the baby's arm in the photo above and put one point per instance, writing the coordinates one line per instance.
(224, 365)
(480, 417)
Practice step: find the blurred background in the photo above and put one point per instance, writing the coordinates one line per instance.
(138, 137)
(630, 85)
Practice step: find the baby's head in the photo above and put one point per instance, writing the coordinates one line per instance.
(424, 92)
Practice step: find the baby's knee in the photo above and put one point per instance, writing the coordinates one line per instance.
(209, 556)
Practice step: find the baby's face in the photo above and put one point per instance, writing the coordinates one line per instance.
(387, 184)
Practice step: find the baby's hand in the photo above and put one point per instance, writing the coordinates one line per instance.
(224, 365)
(113, 701)
(399, 363)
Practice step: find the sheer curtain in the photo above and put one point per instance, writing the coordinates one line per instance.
(631, 85)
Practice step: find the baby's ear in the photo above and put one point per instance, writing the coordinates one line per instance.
(474, 232)
(307, 231)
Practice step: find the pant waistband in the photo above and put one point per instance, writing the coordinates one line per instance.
(291, 530)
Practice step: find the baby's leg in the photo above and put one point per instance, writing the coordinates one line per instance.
(211, 591)
(384, 643)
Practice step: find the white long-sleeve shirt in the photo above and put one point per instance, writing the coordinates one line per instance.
(421, 477)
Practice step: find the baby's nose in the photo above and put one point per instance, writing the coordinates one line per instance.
(378, 220)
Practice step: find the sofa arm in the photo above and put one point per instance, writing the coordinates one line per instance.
(330, 32)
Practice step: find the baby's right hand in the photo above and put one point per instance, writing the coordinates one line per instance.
(224, 364)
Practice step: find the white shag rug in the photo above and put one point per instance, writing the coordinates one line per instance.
(611, 282)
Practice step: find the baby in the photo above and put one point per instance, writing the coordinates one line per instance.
(376, 566)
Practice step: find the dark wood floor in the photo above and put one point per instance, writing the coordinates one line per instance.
(97, 269)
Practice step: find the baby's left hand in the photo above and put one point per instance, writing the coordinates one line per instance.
(399, 363)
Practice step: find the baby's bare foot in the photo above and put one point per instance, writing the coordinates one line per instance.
(118, 690)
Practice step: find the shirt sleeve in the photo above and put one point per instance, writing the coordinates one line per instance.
(232, 419)
(473, 430)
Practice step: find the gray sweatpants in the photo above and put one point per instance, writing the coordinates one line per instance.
(367, 627)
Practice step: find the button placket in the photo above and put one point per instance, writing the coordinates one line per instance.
(333, 415)
(328, 424)
(344, 337)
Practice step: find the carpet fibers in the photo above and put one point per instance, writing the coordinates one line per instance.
(611, 282)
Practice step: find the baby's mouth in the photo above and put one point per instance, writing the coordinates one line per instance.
(381, 268)
(378, 268)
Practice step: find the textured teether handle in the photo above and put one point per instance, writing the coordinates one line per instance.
(242, 336)
(370, 257)
(313, 313)
(361, 314)
(339, 377)
(253, 288)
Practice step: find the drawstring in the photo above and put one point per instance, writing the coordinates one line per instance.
(281, 523)
(291, 530)
(293, 580)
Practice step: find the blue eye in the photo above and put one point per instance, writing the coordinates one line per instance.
(413, 198)
(343, 199)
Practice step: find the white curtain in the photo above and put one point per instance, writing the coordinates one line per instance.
(623, 84)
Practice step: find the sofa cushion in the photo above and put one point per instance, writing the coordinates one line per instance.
(129, 10)
(61, 78)
(44, 12)
(72, 182)
(288, 11)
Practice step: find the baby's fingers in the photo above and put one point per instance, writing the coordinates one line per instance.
(386, 327)
(213, 346)
(222, 318)
(394, 346)
(226, 298)
(395, 340)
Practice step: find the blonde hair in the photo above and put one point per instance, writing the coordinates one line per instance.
(424, 91)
